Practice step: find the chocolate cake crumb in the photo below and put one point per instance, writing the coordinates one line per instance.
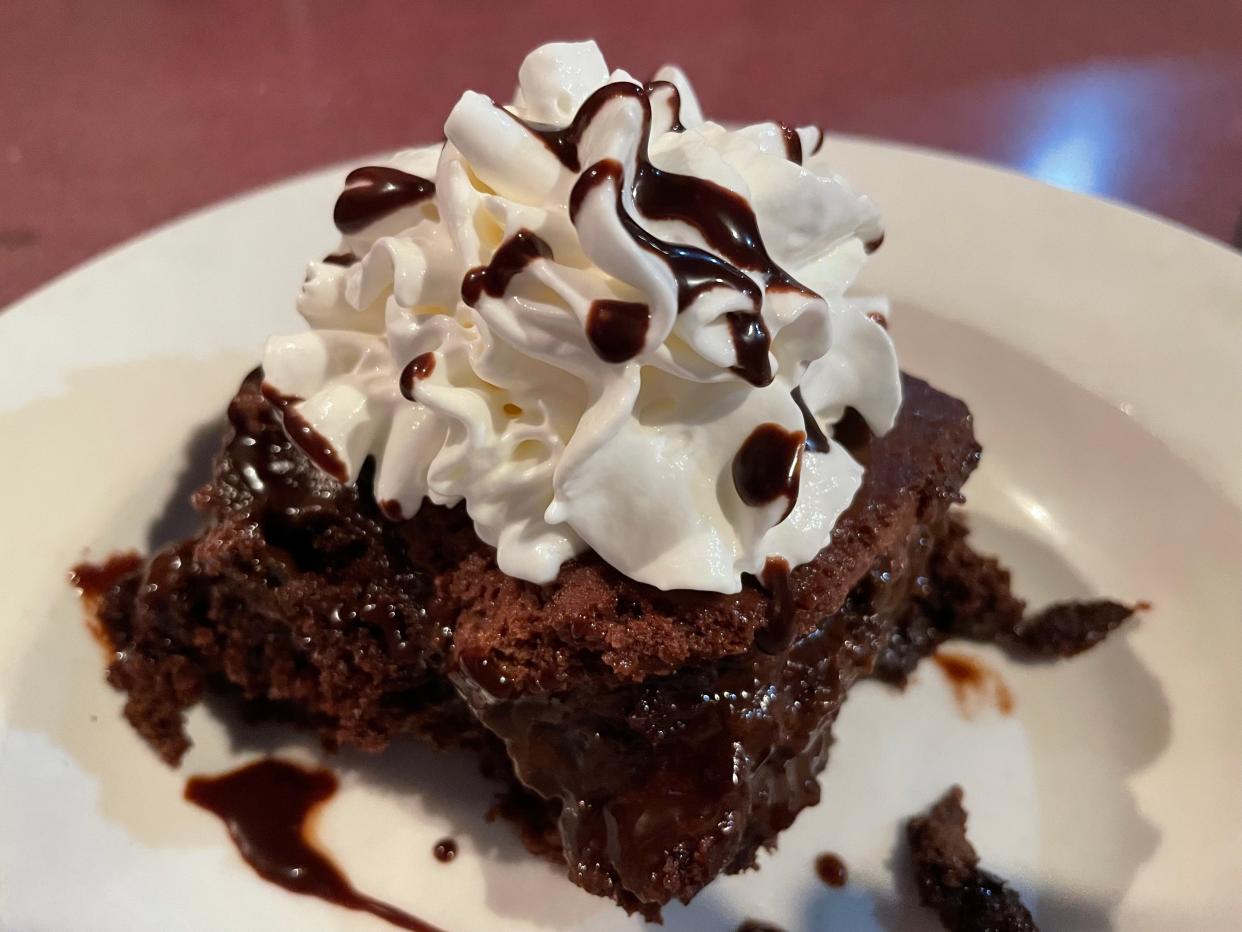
(966, 897)
(1068, 628)
(969, 596)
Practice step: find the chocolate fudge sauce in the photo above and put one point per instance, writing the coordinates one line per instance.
(310, 441)
(793, 142)
(265, 806)
(375, 191)
(768, 465)
(723, 217)
(778, 634)
(445, 850)
(617, 329)
(853, 433)
(419, 367)
(95, 579)
(816, 439)
(510, 258)
(832, 870)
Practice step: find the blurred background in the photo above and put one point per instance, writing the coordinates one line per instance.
(122, 114)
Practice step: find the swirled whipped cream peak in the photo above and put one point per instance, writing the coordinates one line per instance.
(603, 322)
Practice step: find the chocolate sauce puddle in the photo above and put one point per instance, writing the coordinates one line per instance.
(265, 806)
(375, 191)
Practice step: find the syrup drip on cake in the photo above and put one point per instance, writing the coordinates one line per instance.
(94, 580)
(778, 634)
(375, 191)
(265, 806)
(853, 433)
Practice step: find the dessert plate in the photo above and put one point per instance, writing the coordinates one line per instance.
(1101, 351)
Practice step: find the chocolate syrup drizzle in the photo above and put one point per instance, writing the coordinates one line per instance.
(723, 218)
(265, 807)
(654, 88)
(617, 330)
(819, 143)
(375, 191)
(793, 143)
(854, 433)
(301, 432)
(778, 634)
(345, 258)
(512, 257)
(816, 439)
(768, 466)
(419, 367)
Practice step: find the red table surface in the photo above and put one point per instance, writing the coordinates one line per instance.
(121, 114)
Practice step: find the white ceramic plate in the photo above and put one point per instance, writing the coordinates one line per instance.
(1101, 351)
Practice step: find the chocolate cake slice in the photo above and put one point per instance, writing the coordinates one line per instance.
(668, 737)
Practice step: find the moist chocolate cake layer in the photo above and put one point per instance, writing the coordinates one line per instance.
(668, 743)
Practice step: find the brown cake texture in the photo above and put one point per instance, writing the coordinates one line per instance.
(966, 897)
(651, 739)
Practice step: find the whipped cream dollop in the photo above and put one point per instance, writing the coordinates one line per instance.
(601, 321)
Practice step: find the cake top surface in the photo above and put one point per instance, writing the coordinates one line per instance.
(604, 323)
